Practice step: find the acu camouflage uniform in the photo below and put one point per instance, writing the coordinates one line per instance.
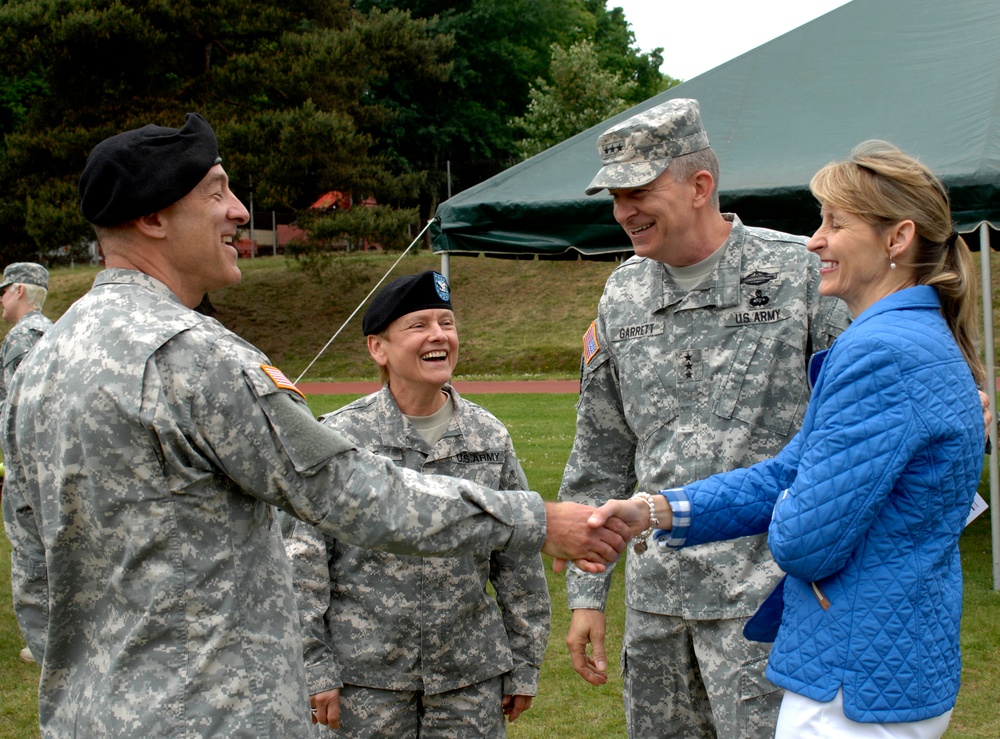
(682, 385)
(145, 456)
(17, 343)
(402, 623)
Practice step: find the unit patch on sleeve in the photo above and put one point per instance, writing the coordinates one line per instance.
(590, 345)
(279, 379)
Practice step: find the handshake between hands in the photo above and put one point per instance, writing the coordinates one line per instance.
(592, 538)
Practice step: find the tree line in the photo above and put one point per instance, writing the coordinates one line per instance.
(376, 98)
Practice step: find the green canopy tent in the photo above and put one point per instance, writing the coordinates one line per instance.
(923, 74)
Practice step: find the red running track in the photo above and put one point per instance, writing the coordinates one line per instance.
(470, 387)
(464, 387)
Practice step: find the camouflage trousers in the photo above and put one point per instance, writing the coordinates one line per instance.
(695, 679)
(472, 711)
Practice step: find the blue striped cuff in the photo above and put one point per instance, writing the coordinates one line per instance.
(680, 506)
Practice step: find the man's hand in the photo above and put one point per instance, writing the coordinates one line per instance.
(587, 627)
(515, 705)
(987, 413)
(326, 708)
(571, 534)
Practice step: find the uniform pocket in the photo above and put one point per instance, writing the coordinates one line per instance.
(307, 443)
(753, 682)
(766, 385)
(760, 699)
(647, 386)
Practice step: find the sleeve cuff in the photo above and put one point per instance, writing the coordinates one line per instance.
(521, 680)
(587, 589)
(322, 677)
(680, 507)
(528, 515)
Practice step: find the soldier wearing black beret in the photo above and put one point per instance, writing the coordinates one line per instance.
(440, 608)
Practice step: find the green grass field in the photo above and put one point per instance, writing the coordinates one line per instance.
(566, 707)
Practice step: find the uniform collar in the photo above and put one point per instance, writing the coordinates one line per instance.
(392, 429)
(121, 276)
(722, 287)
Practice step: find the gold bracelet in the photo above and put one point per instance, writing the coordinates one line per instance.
(640, 545)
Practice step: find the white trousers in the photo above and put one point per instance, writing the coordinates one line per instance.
(804, 718)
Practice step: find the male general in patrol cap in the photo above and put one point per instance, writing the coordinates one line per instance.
(145, 458)
(695, 364)
(438, 656)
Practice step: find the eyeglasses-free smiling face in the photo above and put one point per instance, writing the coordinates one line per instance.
(655, 215)
(419, 349)
(854, 258)
(203, 229)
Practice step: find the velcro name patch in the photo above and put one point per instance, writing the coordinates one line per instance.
(638, 331)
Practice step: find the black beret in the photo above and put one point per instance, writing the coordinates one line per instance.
(145, 170)
(403, 295)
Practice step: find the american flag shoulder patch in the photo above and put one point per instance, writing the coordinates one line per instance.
(279, 379)
(590, 345)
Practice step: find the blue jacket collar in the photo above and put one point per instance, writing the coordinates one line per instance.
(919, 296)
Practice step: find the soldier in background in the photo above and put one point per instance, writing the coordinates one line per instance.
(146, 456)
(410, 646)
(22, 293)
(696, 364)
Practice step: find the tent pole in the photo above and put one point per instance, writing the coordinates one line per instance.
(991, 390)
(445, 256)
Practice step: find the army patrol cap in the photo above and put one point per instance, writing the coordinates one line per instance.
(145, 170)
(25, 273)
(637, 151)
(403, 295)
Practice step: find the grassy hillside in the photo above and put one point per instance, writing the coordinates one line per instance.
(517, 318)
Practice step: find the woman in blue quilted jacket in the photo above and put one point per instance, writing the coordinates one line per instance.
(864, 507)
